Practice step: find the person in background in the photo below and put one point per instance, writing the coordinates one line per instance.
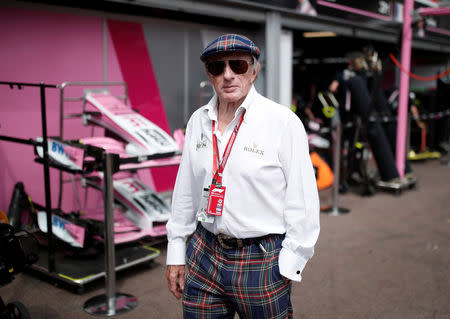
(420, 30)
(305, 7)
(245, 195)
(361, 95)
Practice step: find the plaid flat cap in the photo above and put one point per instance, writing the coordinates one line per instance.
(230, 43)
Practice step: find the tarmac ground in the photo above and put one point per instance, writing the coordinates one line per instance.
(388, 258)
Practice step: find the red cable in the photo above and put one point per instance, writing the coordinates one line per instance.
(418, 77)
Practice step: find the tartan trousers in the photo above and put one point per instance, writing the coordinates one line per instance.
(221, 282)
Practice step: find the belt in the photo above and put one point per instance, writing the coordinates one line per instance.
(228, 242)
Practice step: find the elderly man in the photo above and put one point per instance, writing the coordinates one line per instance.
(246, 191)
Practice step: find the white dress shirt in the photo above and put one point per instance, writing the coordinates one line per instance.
(269, 180)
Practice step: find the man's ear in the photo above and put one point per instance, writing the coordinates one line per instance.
(210, 77)
(255, 71)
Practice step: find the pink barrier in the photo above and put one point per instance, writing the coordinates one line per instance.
(354, 10)
(404, 88)
(434, 11)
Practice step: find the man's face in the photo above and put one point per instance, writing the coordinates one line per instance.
(230, 86)
(360, 64)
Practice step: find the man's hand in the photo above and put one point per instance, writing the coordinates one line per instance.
(175, 277)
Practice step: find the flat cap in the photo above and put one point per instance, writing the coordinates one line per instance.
(230, 43)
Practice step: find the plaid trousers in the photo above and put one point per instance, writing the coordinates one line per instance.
(221, 282)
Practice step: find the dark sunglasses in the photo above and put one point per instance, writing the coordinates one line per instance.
(216, 68)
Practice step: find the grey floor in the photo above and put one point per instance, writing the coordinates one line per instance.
(388, 258)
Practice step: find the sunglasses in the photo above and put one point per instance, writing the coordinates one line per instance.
(216, 68)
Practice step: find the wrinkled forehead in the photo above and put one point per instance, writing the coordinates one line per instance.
(229, 56)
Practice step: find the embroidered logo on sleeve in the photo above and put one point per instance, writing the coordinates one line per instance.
(201, 143)
(254, 149)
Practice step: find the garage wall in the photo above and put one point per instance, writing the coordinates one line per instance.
(159, 58)
(40, 46)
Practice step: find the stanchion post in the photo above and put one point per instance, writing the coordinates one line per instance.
(111, 303)
(110, 256)
(334, 210)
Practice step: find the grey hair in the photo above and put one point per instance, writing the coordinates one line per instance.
(255, 63)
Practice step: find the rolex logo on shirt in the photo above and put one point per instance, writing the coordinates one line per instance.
(254, 149)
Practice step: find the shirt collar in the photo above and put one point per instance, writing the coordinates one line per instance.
(211, 107)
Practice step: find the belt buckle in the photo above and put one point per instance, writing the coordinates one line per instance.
(221, 238)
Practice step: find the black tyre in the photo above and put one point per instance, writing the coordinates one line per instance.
(17, 310)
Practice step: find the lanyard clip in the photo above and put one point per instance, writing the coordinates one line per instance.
(219, 180)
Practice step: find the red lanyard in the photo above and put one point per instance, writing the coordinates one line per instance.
(218, 168)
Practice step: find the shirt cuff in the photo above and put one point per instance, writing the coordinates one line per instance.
(176, 253)
(291, 265)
